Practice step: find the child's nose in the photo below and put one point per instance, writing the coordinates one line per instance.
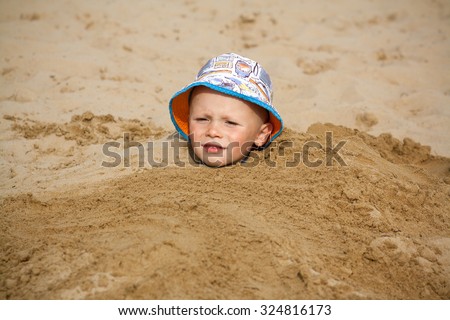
(213, 130)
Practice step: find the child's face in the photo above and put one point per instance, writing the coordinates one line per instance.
(223, 129)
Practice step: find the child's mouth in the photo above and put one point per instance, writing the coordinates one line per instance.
(212, 148)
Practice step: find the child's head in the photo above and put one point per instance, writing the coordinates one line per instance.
(227, 111)
(223, 129)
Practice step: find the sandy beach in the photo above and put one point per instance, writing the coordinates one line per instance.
(79, 75)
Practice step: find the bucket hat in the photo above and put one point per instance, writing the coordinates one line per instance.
(233, 75)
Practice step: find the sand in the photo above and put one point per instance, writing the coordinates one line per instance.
(373, 223)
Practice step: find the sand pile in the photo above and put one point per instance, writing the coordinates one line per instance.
(375, 228)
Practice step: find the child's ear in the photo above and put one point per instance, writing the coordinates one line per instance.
(264, 134)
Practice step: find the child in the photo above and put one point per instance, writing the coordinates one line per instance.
(227, 111)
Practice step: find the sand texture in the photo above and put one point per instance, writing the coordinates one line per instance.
(373, 222)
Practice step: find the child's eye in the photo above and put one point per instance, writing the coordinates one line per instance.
(231, 123)
(201, 119)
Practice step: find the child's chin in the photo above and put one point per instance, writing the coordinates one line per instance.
(215, 162)
(218, 160)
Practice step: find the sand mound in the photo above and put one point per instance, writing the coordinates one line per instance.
(374, 228)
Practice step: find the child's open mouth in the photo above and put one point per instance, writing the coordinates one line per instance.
(211, 147)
